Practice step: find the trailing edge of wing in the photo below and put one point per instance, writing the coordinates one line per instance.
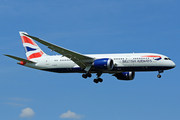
(78, 58)
(20, 59)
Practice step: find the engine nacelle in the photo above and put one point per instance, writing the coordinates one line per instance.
(125, 75)
(103, 64)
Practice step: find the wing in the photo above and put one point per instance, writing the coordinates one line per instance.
(81, 60)
(20, 59)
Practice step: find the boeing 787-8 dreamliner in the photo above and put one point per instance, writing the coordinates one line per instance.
(122, 66)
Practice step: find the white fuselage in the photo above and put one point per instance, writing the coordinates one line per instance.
(122, 62)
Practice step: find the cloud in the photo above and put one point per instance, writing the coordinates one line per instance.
(17, 101)
(15, 104)
(27, 112)
(21, 99)
(71, 115)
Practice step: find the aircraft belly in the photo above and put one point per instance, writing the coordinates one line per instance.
(65, 70)
(33, 65)
(115, 69)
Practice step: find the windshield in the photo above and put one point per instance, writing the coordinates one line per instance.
(167, 59)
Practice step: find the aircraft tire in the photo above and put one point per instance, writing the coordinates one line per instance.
(96, 80)
(84, 76)
(89, 75)
(100, 80)
(159, 76)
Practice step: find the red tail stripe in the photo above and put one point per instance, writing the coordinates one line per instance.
(35, 55)
(27, 40)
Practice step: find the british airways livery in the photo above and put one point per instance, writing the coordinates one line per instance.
(122, 66)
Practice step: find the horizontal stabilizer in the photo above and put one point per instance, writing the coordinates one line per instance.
(20, 59)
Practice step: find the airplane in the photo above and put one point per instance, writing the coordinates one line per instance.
(122, 66)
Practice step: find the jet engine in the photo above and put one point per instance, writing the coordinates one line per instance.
(125, 75)
(103, 64)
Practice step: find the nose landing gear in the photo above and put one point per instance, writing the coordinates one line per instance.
(160, 71)
(159, 76)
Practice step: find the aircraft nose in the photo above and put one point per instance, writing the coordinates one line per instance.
(173, 64)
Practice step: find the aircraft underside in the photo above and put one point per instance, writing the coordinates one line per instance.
(114, 70)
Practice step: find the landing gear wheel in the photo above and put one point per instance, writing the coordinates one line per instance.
(89, 75)
(96, 80)
(84, 75)
(160, 71)
(100, 80)
(159, 76)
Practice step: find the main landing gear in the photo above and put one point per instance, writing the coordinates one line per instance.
(98, 79)
(160, 71)
(95, 80)
(86, 75)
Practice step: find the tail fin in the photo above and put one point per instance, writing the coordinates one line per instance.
(31, 48)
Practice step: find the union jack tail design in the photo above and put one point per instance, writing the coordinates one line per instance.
(31, 48)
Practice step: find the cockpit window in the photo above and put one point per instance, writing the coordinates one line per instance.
(167, 59)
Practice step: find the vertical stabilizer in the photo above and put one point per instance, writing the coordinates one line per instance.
(31, 48)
